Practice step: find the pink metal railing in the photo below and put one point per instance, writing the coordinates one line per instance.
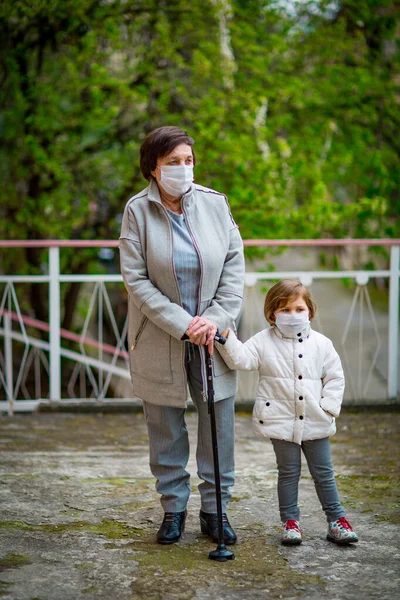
(64, 333)
(262, 243)
(54, 278)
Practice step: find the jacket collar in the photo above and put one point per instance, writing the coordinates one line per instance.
(153, 194)
(297, 334)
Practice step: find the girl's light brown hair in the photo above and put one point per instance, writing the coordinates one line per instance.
(284, 291)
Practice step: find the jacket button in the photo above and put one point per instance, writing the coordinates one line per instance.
(301, 398)
(299, 334)
(267, 403)
(301, 417)
(300, 340)
(300, 376)
(300, 356)
(262, 422)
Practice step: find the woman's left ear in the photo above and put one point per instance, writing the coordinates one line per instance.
(153, 173)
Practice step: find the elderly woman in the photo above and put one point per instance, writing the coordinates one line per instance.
(183, 267)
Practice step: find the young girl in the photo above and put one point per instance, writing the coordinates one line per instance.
(300, 391)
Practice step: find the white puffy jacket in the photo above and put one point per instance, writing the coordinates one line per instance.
(301, 382)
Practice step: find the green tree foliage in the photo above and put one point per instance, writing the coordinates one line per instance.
(331, 167)
(293, 106)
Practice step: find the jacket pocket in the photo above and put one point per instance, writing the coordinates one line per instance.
(270, 409)
(321, 415)
(150, 356)
(220, 366)
(139, 332)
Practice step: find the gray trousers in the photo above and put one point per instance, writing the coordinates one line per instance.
(318, 456)
(169, 445)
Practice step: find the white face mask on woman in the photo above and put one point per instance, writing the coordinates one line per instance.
(290, 324)
(176, 180)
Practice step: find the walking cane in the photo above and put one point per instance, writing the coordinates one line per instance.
(221, 554)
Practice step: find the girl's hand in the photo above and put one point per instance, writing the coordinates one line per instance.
(201, 331)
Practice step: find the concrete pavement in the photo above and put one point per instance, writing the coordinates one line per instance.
(79, 514)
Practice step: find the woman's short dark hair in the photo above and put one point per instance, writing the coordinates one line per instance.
(159, 143)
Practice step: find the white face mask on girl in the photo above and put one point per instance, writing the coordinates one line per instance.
(290, 324)
(176, 180)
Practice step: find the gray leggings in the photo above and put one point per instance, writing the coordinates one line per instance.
(318, 456)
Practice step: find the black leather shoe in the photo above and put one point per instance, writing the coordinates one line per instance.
(171, 528)
(209, 526)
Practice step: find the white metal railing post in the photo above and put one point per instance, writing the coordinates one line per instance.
(54, 318)
(8, 359)
(393, 347)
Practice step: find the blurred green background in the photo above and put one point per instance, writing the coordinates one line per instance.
(294, 107)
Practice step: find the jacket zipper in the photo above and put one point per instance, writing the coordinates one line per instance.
(175, 275)
(198, 254)
(202, 359)
(139, 332)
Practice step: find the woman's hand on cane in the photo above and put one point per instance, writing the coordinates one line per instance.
(202, 331)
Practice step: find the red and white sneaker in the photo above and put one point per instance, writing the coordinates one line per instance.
(291, 533)
(341, 532)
